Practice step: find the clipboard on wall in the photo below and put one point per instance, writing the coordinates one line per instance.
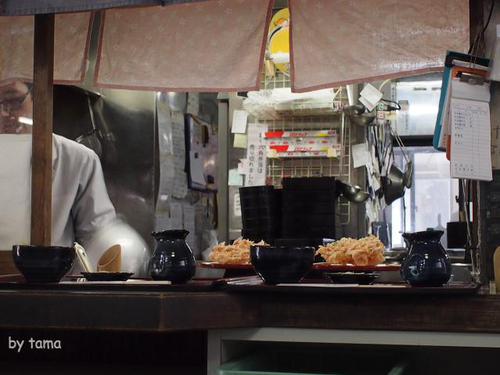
(201, 154)
(453, 59)
(467, 90)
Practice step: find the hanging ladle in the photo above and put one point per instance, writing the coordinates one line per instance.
(408, 173)
(353, 193)
(358, 115)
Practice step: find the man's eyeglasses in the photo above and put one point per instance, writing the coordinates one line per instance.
(13, 104)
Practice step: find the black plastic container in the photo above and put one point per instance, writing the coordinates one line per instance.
(260, 213)
(456, 232)
(308, 207)
(309, 183)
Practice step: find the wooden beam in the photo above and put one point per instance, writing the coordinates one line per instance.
(41, 180)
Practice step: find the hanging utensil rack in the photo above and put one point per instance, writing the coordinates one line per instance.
(304, 119)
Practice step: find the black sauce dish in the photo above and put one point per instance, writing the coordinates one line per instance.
(43, 264)
(361, 278)
(282, 264)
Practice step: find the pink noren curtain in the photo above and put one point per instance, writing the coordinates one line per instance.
(71, 45)
(204, 46)
(338, 42)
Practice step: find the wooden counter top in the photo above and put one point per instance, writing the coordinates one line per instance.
(188, 309)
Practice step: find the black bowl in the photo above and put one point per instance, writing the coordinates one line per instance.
(283, 264)
(43, 264)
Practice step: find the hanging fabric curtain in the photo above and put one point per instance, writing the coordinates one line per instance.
(336, 42)
(30, 7)
(205, 46)
(71, 44)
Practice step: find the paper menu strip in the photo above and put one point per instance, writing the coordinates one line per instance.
(470, 140)
(360, 155)
(240, 119)
(300, 134)
(235, 178)
(240, 141)
(256, 155)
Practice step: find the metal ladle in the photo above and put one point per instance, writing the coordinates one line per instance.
(408, 172)
(358, 115)
(361, 196)
(353, 193)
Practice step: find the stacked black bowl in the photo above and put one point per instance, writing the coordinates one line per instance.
(308, 207)
(260, 213)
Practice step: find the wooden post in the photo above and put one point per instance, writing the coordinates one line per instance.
(41, 179)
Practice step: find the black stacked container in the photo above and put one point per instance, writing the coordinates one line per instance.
(260, 213)
(308, 207)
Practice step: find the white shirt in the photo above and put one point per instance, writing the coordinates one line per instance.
(80, 202)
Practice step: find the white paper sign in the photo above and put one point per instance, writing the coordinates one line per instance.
(237, 205)
(180, 185)
(240, 119)
(360, 155)
(470, 140)
(370, 97)
(176, 217)
(196, 168)
(240, 141)
(243, 166)
(179, 150)
(373, 179)
(256, 155)
(234, 178)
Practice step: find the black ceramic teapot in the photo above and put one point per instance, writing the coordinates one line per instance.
(427, 263)
(172, 259)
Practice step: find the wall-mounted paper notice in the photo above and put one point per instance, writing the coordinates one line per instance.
(179, 150)
(256, 155)
(240, 119)
(180, 185)
(196, 168)
(370, 96)
(331, 152)
(470, 140)
(176, 217)
(240, 141)
(360, 155)
(234, 178)
(243, 166)
(237, 204)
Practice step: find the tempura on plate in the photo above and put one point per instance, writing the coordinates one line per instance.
(237, 253)
(367, 251)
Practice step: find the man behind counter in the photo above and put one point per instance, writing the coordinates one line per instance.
(80, 202)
